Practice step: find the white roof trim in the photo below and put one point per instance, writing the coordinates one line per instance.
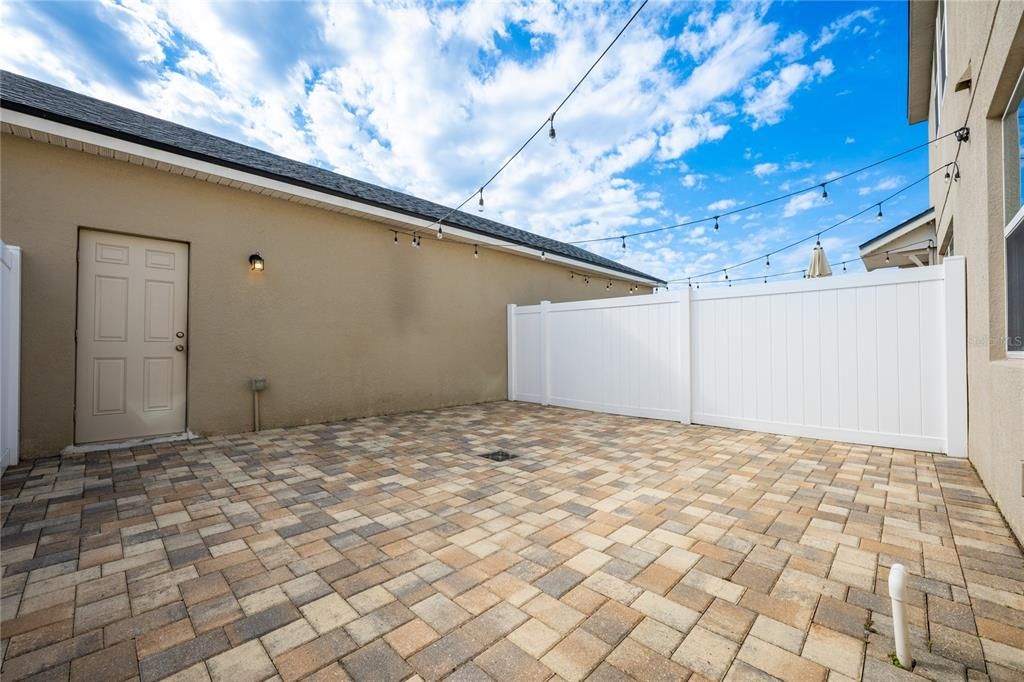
(63, 135)
(880, 242)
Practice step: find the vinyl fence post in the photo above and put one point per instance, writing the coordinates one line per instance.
(955, 280)
(684, 355)
(545, 352)
(10, 352)
(511, 351)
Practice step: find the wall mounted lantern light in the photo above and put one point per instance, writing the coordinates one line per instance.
(256, 262)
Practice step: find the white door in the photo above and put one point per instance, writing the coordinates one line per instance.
(132, 337)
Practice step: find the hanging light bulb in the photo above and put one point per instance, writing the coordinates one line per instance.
(726, 273)
(440, 231)
(609, 285)
(543, 255)
(631, 288)
(886, 256)
(476, 251)
(414, 244)
(767, 261)
(766, 279)
(480, 204)
(586, 280)
(551, 129)
(817, 242)
(879, 216)
(698, 285)
(946, 174)
(956, 172)
(844, 266)
(716, 223)
(623, 243)
(824, 191)
(396, 236)
(689, 283)
(572, 275)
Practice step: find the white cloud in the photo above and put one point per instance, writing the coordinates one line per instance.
(765, 105)
(693, 180)
(884, 184)
(762, 170)
(844, 23)
(800, 203)
(722, 205)
(849, 140)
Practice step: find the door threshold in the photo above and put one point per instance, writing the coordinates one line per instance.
(128, 443)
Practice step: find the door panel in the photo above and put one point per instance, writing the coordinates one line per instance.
(132, 316)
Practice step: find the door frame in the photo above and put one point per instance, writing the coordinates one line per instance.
(75, 445)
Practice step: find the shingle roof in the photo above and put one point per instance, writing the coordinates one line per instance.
(34, 97)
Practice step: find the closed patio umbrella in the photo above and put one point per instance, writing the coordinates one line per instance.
(818, 267)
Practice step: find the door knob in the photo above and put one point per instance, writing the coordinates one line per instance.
(179, 348)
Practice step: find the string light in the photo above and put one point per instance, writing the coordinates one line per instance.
(716, 223)
(480, 207)
(476, 251)
(396, 236)
(824, 191)
(572, 275)
(767, 262)
(586, 280)
(548, 122)
(543, 255)
(818, 234)
(623, 243)
(879, 216)
(440, 232)
(886, 256)
(726, 273)
(609, 285)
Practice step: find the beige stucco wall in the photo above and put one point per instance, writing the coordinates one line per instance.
(343, 323)
(974, 218)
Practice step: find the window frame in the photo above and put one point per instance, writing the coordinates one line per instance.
(1016, 221)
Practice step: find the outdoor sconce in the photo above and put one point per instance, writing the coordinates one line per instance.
(256, 262)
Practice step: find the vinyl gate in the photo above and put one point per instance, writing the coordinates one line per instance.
(876, 358)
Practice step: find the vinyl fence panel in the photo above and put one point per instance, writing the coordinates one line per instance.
(876, 358)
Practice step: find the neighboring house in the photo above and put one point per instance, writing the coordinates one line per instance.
(966, 61)
(142, 315)
(910, 244)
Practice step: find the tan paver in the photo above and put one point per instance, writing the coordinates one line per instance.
(611, 548)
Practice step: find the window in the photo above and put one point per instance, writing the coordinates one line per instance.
(1013, 233)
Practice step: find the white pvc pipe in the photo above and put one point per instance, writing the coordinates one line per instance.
(898, 592)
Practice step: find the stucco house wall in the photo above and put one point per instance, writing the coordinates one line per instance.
(972, 224)
(343, 323)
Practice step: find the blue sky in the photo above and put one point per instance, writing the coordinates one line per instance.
(699, 108)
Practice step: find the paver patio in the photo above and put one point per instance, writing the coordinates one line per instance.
(612, 548)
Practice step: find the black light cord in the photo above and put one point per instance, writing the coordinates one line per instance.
(816, 186)
(818, 233)
(548, 121)
(689, 280)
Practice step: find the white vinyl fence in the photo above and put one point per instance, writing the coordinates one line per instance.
(876, 358)
(10, 346)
